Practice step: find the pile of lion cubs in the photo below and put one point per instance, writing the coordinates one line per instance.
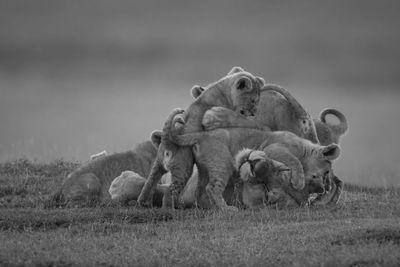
(240, 144)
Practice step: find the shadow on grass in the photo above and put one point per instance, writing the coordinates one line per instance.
(10, 190)
(36, 220)
(38, 263)
(380, 236)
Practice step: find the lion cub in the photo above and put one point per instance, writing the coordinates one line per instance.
(279, 110)
(264, 188)
(89, 183)
(239, 91)
(214, 150)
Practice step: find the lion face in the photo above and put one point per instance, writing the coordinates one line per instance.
(318, 168)
(245, 91)
(256, 168)
(241, 91)
(169, 154)
(176, 160)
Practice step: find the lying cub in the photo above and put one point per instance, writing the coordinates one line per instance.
(260, 187)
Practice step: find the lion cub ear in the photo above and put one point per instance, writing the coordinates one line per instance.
(260, 81)
(197, 90)
(243, 84)
(330, 152)
(156, 138)
(235, 69)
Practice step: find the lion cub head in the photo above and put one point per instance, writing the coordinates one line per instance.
(171, 156)
(238, 90)
(255, 167)
(318, 167)
(261, 177)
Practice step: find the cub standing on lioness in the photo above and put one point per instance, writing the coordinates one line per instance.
(238, 91)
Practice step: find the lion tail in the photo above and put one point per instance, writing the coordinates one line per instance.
(293, 102)
(342, 127)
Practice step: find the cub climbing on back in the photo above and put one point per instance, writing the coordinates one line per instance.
(278, 110)
(239, 91)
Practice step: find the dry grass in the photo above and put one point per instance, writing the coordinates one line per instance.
(362, 230)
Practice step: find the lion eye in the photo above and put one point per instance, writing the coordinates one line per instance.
(167, 154)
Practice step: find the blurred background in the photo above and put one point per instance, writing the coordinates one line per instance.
(78, 77)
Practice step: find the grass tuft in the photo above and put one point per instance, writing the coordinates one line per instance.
(26, 167)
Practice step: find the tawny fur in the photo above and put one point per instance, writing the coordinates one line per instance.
(214, 150)
(277, 189)
(238, 91)
(257, 191)
(91, 181)
(331, 133)
(128, 185)
(278, 110)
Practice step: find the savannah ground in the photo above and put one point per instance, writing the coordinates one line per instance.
(362, 230)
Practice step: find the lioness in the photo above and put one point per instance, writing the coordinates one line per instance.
(214, 150)
(238, 91)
